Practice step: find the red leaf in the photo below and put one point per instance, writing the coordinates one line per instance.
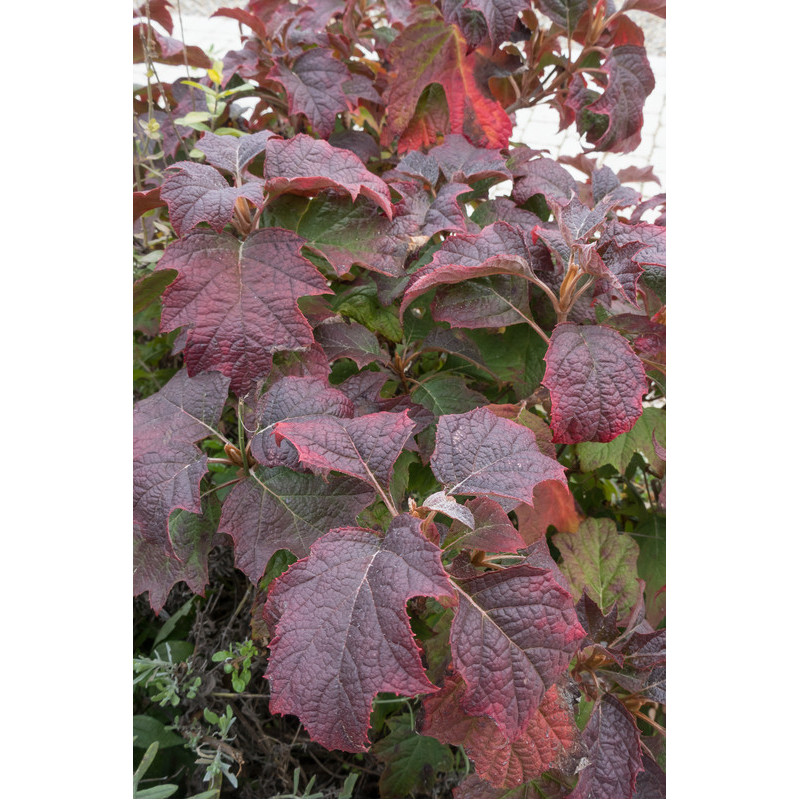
(245, 18)
(657, 7)
(596, 383)
(653, 237)
(198, 193)
(343, 634)
(621, 270)
(630, 81)
(462, 162)
(314, 87)
(290, 398)
(233, 153)
(240, 299)
(499, 249)
(615, 754)
(553, 504)
(166, 50)
(159, 11)
(432, 51)
(144, 201)
(349, 340)
(302, 165)
(565, 12)
(513, 635)
(548, 741)
(478, 453)
(278, 508)
(365, 447)
(429, 123)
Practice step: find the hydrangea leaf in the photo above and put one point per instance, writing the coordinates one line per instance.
(197, 193)
(431, 51)
(447, 394)
(630, 81)
(239, 299)
(412, 761)
(596, 383)
(479, 453)
(314, 87)
(514, 632)
(492, 301)
(602, 561)
(542, 176)
(277, 509)
(342, 633)
(553, 504)
(302, 165)
(462, 162)
(564, 12)
(615, 752)
(620, 270)
(498, 249)
(233, 153)
(491, 529)
(290, 398)
(620, 451)
(501, 16)
(550, 740)
(349, 340)
(160, 564)
(365, 447)
(444, 504)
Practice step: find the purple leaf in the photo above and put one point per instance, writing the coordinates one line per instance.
(349, 340)
(314, 87)
(279, 509)
(514, 633)
(240, 299)
(491, 529)
(543, 176)
(342, 633)
(198, 193)
(462, 162)
(501, 16)
(444, 504)
(233, 153)
(479, 453)
(615, 754)
(596, 383)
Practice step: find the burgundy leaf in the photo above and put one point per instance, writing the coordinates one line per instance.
(548, 741)
(621, 270)
(596, 383)
(652, 782)
(543, 176)
(578, 222)
(471, 23)
(358, 142)
(657, 7)
(158, 11)
(514, 633)
(478, 453)
(492, 530)
(601, 629)
(630, 81)
(493, 301)
(653, 239)
(240, 299)
(233, 153)
(302, 165)
(365, 447)
(462, 162)
(198, 193)
(343, 635)
(278, 509)
(160, 564)
(501, 16)
(183, 411)
(349, 340)
(145, 201)
(245, 18)
(565, 12)
(420, 166)
(497, 249)
(553, 504)
(166, 50)
(606, 187)
(290, 398)
(615, 754)
(314, 87)
(639, 175)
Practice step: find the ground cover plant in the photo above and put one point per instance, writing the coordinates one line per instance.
(399, 431)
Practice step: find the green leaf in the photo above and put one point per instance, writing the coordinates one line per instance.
(516, 356)
(148, 729)
(652, 565)
(165, 790)
(603, 561)
(412, 761)
(148, 289)
(398, 483)
(618, 452)
(447, 394)
(361, 304)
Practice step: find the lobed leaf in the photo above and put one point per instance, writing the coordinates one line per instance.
(514, 632)
(233, 153)
(239, 300)
(342, 633)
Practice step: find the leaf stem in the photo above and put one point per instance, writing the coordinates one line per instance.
(242, 438)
